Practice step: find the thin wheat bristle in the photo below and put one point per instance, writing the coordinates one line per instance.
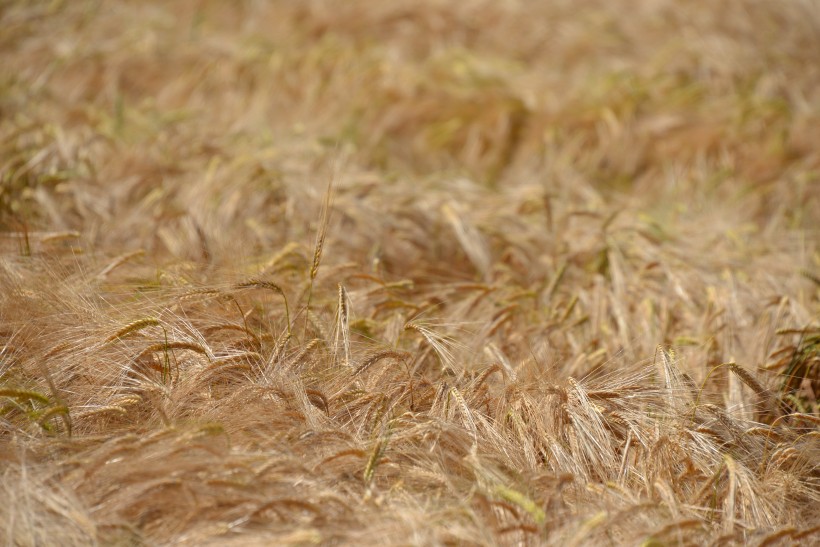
(280, 347)
(373, 461)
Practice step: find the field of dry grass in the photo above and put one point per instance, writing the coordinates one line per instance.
(428, 273)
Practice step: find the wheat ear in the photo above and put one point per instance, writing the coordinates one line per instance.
(343, 324)
(373, 461)
(134, 326)
(324, 219)
(747, 378)
(119, 261)
(260, 284)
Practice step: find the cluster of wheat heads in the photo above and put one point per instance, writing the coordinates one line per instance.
(424, 409)
(562, 289)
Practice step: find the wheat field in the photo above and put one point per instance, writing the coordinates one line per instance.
(410, 273)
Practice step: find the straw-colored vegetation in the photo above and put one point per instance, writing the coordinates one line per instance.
(492, 273)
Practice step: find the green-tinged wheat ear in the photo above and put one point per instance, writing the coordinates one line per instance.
(517, 498)
(556, 280)
(260, 284)
(102, 410)
(24, 395)
(704, 491)
(133, 327)
(61, 410)
(810, 276)
(373, 461)
(377, 411)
